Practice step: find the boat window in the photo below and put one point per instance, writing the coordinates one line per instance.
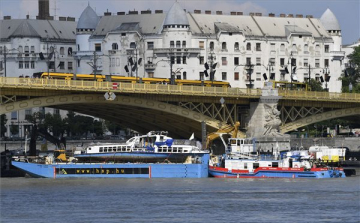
(185, 150)
(233, 141)
(245, 166)
(275, 164)
(255, 165)
(89, 148)
(114, 149)
(119, 149)
(159, 150)
(127, 148)
(180, 150)
(101, 149)
(123, 149)
(175, 150)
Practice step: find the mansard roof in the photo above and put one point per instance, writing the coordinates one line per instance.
(176, 16)
(52, 29)
(88, 19)
(329, 20)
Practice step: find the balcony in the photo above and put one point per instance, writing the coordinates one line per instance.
(176, 50)
(150, 66)
(337, 55)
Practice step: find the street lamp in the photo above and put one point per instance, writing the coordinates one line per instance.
(350, 87)
(292, 62)
(249, 69)
(269, 68)
(5, 52)
(172, 79)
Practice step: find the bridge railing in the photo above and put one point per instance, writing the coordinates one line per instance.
(317, 95)
(81, 85)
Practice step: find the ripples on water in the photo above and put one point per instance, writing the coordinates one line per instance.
(180, 200)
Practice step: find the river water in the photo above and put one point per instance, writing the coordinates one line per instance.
(180, 200)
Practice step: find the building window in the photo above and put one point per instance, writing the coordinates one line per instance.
(272, 61)
(69, 51)
(272, 47)
(258, 76)
(178, 59)
(282, 47)
(306, 62)
(236, 46)
(317, 47)
(150, 45)
(20, 49)
(326, 48)
(26, 51)
(51, 65)
(223, 76)
(70, 65)
(178, 44)
(114, 46)
(32, 49)
(150, 74)
(223, 46)
(184, 75)
(62, 65)
(28, 113)
(201, 76)
(201, 60)
(97, 47)
(78, 47)
(317, 63)
(172, 60)
(248, 46)
(282, 61)
(32, 64)
(172, 44)
(223, 61)
(27, 64)
(13, 115)
(78, 63)
(326, 62)
(236, 76)
(62, 51)
(306, 48)
(211, 45)
(21, 65)
(258, 46)
(132, 45)
(1, 65)
(184, 44)
(184, 59)
(248, 60)
(201, 44)
(1, 49)
(56, 111)
(236, 60)
(294, 47)
(258, 61)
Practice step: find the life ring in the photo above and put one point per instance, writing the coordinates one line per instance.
(296, 166)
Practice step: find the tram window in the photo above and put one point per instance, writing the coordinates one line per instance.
(175, 150)
(185, 150)
(180, 150)
(159, 150)
(105, 150)
(255, 165)
(275, 164)
(114, 149)
(123, 149)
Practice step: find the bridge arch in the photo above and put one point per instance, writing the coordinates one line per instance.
(96, 105)
(319, 117)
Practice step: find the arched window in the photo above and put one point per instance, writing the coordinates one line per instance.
(62, 51)
(211, 45)
(223, 46)
(248, 46)
(184, 44)
(236, 46)
(114, 46)
(184, 75)
(133, 45)
(306, 47)
(282, 47)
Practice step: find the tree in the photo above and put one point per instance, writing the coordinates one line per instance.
(315, 85)
(3, 128)
(352, 73)
(113, 127)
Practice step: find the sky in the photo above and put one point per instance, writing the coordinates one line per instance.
(346, 11)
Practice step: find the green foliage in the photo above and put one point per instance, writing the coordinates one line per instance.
(315, 85)
(77, 125)
(352, 73)
(14, 129)
(113, 127)
(3, 128)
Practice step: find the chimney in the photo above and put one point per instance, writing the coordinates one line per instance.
(196, 11)
(146, 12)
(258, 14)
(120, 13)
(158, 11)
(251, 14)
(232, 13)
(290, 16)
(50, 18)
(309, 16)
(133, 13)
(43, 9)
(240, 13)
(27, 16)
(7, 17)
(218, 12)
(271, 15)
(299, 16)
(282, 15)
(107, 13)
(62, 18)
(208, 12)
(71, 19)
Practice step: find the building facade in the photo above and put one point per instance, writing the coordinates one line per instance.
(212, 46)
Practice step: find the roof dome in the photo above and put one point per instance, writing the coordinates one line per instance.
(176, 16)
(329, 20)
(88, 19)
